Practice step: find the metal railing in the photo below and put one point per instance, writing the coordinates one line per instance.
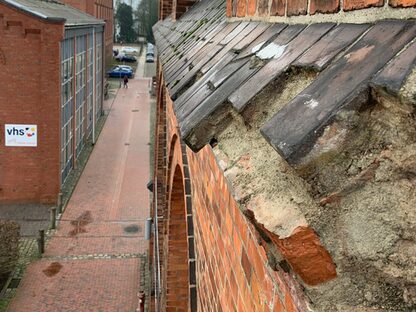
(156, 252)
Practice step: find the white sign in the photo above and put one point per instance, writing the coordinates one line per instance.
(21, 135)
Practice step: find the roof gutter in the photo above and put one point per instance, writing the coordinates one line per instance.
(72, 26)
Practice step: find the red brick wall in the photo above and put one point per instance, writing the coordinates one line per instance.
(30, 76)
(232, 270)
(177, 7)
(245, 8)
(101, 9)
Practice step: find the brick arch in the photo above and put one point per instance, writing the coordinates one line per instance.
(179, 231)
(172, 145)
(181, 6)
(177, 284)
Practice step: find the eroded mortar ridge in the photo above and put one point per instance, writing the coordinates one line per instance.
(331, 191)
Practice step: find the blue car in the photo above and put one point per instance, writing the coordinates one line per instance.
(120, 72)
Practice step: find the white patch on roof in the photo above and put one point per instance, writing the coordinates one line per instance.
(312, 103)
(272, 50)
(257, 47)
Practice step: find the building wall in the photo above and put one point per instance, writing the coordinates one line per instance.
(77, 79)
(178, 7)
(29, 95)
(101, 9)
(232, 272)
(291, 8)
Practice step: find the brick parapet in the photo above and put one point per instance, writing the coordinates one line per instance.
(101, 9)
(307, 11)
(232, 267)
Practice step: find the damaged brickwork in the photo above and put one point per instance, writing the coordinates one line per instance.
(358, 193)
(300, 154)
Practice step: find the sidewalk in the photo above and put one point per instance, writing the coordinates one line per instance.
(93, 261)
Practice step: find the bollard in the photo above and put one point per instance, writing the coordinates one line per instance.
(53, 218)
(41, 241)
(148, 228)
(59, 207)
(142, 299)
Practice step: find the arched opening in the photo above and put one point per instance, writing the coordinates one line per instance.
(177, 290)
(181, 6)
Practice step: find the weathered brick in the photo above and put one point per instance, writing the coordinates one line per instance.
(402, 3)
(229, 257)
(263, 7)
(324, 6)
(241, 8)
(251, 9)
(278, 8)
(350, 5)
(297, 7)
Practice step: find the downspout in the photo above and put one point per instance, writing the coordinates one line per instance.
(94, 74)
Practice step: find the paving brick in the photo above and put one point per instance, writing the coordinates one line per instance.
(79, 285)
(99, 243)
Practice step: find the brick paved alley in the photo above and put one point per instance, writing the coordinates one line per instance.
(92, 263)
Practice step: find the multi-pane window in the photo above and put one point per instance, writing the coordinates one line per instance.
(90, 86)
(77, 91)
(99, 72)
(67, 102)
(80, 87)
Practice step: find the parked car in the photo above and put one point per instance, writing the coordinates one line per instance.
(126, 58)
(150, 48)
(129, 50)
(150, 58)
(126, 67)
(120, 72)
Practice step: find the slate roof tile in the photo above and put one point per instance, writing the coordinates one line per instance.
(293, 130)
(320, 55)
(393, 76)
(209, 63)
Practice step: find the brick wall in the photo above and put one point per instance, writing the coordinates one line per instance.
(177, 7)
(101, 9)
(232, 271)
(29, 67)
(287, 8)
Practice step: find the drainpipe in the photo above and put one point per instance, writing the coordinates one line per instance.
(94, 74)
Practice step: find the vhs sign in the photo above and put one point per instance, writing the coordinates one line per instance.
(21, 135)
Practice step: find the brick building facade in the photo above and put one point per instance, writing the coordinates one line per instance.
(101, 9)
(266, 195)
(51, 55)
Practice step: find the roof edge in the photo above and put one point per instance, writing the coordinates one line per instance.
(32, 12)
